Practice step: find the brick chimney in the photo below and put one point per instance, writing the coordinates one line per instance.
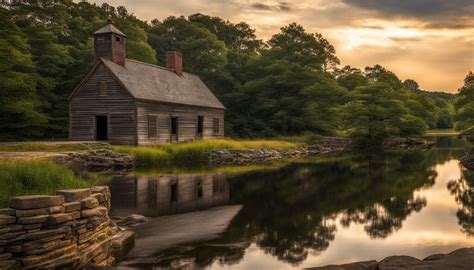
(174, 61)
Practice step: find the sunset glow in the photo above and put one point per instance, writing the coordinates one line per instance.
(420, 40)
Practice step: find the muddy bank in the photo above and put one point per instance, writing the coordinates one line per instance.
(170, 231)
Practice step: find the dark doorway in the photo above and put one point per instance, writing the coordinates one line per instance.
(174, 129)
(200, 127)
(101, 127)
(174, 125)
(174, 192)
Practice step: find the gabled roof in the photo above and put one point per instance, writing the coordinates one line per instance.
(109, 28)
(150, 82)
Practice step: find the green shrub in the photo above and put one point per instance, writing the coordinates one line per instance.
(195, 151)
(35, 176)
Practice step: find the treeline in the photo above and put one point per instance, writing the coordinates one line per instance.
(287, 85)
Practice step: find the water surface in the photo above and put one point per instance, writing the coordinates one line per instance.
(316, 211)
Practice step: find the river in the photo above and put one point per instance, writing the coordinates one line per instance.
(314, 211)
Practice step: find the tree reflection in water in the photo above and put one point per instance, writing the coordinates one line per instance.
(463, 191)
(293, 211)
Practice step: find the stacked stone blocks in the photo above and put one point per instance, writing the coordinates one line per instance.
(68, 230)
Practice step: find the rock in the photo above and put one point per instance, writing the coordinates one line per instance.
(89, 203)
(103, 160)
(368, 265)
(468, 159)
(35, 202)
(72, 207)
(36, 259)
(39, 211)
(407, 143)
(121, 244)
(47, 233)
(4, 220)
(34, 219)
(57, 219)
(99, 211)
(72, 195)
(7, 212)
(11, 235)
(8, 264)
(99, 196)
(13, 249)
(398, 263)
(5, 256)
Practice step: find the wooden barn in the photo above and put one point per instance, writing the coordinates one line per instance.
(124, 101)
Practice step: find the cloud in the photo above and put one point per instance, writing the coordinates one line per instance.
(416, 8)
(430, 41)
(281, 6)
(441, 14)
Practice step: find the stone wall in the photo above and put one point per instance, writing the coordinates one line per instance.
(68, 230)
(249, 156)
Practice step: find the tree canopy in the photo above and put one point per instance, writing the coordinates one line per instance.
(289, 84)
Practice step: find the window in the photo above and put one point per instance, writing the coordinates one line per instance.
(103, 88)
(216, 126)
(117, 39)
(100, 39)
(152, 126)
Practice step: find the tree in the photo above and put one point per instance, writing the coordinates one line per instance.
(375, 113)
(295, 45)
(411, 85)
(378, 73)
(350, 78)
(20, 107)
(464, 105)
(203, 52)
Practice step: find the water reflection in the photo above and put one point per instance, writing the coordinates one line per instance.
(167, 194)
(311, 212)
(463, 190)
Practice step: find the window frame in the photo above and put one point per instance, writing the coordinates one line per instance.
(152, 120)
(103, 88)
(216, 125)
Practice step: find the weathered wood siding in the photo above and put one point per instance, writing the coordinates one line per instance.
(151, 195)
(187, 122)
(118, 105)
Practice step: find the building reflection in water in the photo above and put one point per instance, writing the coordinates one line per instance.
(154, 196)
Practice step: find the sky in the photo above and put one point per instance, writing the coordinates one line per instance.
(430, 41)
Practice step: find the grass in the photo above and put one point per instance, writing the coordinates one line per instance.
(195, 151)
(45, 147)
(35, 176)
(433, 132)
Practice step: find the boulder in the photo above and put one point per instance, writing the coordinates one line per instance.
(72, 195)
(35, 202)
(398, 263)
(121, 244)
(368, 265)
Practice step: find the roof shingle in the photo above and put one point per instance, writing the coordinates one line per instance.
(155, 83)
